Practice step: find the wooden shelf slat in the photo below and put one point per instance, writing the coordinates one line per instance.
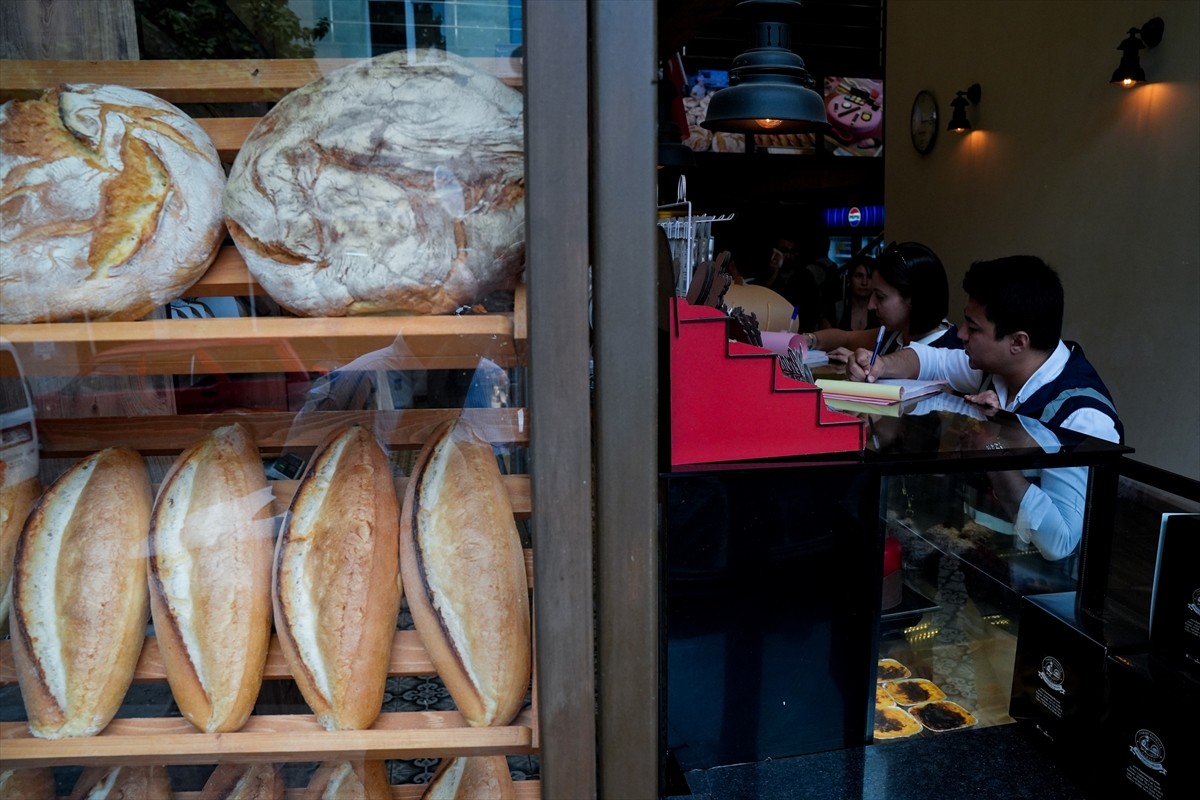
(525, 790)
(261, 344)
(266, 738)
(198, 81)
(271, 430)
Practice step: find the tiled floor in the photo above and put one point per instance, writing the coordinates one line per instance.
(997, 762)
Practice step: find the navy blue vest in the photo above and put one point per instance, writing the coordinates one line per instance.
(1077, 386)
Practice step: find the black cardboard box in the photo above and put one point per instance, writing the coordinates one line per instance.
(1175, 607)
(1147, 739)
(1058, 677)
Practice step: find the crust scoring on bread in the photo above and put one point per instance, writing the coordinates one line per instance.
(123, 783)
(211, 547)
(464, 569)
(80, 602)
(244, 782)
(395, 184)
(111, 203)
(344, 780)
(336, 584)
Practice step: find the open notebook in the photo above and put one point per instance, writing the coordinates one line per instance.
(881, 392)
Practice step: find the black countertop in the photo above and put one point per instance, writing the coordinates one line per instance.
(999, 761)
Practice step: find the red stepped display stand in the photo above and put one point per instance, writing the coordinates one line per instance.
(731, 401)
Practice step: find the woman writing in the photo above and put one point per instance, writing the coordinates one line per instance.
(909, 295)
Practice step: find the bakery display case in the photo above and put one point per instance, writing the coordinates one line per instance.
(228, 354)
(872, 594)
(967, 559)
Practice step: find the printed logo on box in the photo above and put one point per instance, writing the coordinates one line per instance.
(1052, 674)
(1194, 606)
(1149, 750)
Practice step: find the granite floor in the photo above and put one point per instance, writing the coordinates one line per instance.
(1001, 762)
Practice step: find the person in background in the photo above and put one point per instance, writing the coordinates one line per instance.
(792, 271)
(853, 311)
(1013, 331)
(910, 297)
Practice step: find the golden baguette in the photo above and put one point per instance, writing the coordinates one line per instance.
(80, 603)
(123, 783)
(17, 496)
(464, 571)
(472, 778)
(211, 545)
(336, 586)
(343, 780)
(243, 782)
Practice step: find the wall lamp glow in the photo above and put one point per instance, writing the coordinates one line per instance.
(958, 118)
(1129, 72)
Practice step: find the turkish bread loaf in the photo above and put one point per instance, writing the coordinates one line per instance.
(395, 184)
(336, 584)
(110, 204)
(244, 782)
(123, 783)
(464, 575)
(211, 545)
(472, 778)
(344, 780)
(80, 602)
(18, 493)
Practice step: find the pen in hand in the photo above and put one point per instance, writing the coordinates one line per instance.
(875, 352)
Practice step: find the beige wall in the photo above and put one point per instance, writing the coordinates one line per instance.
(1101, 182)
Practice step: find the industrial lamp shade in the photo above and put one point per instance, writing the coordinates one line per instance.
(770, 91)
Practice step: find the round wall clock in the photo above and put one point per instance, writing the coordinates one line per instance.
(924, 125)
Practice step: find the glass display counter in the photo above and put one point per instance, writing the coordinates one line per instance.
(775, 650)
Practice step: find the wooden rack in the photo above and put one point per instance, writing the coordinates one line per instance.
(252, 345)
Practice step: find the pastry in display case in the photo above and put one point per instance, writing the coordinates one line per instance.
(144, 579)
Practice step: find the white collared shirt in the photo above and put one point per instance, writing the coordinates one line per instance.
(1050, 515)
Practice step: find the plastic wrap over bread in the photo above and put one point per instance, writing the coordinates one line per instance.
(80, 604)
(112, 204)
(211, 544)
(395, 184)
(336, 585)
(464, 573)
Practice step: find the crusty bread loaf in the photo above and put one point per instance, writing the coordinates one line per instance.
(336, 585)
(18, 493)
(393, 184)
(244, 782)
(27, 784)
(345, 780)
(123, 783)
(471, 778)
(112, 204)
(79, 594)
(211, 545)
(464, 573)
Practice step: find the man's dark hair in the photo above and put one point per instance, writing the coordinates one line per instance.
(1019, 293)
(917, 274)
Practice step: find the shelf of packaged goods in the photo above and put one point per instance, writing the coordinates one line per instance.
(201, 81)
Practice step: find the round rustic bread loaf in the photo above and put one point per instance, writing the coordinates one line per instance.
(110, 204)
(395, 184)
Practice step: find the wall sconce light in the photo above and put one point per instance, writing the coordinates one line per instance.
(958, 118)
(1129, 72)
(769, 91)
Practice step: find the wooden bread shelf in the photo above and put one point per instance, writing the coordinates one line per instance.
(183, 81)
(245, 346)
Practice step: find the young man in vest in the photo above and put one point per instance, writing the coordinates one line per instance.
(1012, 332)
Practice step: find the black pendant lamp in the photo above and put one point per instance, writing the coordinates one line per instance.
(770, 91)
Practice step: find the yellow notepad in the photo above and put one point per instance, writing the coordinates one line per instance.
(883, 391)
